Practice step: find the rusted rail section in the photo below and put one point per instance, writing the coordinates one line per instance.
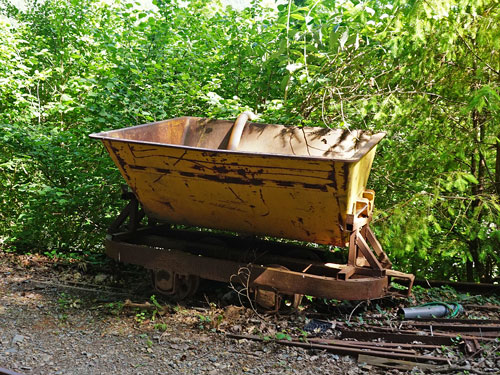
(349, 349)
(483, 288)
(464, 331)
(451, 321)
(395, 346)
(456, 327)
(401, 349)
(396, 337)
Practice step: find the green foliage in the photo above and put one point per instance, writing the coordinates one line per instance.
(141, 316)
(67, 302)
(162, 327)
(72, 68)
(283, 336)
(440, 173)
(210, 321)
(114, 308)
(426, 72)
(204, 321)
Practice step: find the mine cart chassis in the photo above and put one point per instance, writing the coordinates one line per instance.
(266, 270)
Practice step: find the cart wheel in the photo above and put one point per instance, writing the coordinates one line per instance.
(176, 286)
(163, 281)
(186, 286)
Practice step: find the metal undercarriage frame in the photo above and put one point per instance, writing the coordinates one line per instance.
(268, 270)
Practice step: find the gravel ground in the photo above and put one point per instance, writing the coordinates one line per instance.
(47, 329)
(70, 318)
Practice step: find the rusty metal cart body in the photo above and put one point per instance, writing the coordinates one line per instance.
(306, 184)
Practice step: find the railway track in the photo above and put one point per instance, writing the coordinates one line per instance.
(418, 343)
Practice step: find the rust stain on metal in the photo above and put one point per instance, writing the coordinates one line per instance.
(224, 270)
(180, 158)
(345, 169)
(181, 149)
(138, 167)
(236, 195)
(169, 205)
(333, 178)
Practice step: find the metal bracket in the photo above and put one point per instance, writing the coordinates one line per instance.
(364, 248)
(132, 211)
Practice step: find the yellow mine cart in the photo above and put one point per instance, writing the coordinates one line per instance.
(249, 179)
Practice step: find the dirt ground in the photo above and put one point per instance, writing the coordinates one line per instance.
(70, 318)
(48, 328)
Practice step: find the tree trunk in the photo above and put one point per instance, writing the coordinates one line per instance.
(470, 271)
(476, 170)
(497, 167)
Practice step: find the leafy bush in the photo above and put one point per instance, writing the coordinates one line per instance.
(427, 73)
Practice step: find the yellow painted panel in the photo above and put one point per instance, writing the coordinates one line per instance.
(303, 198)
(358, 178)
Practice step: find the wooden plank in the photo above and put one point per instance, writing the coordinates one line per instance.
(394, 363)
